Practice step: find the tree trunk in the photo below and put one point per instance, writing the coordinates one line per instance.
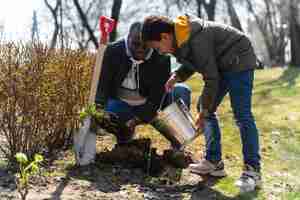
(34, 28)
(55, 35)
(54, 12)
(272, 29)
(235, 21)
(199, 8)
(86, 24)
(61, 26)
(210, 9)
(115, 13)
(294, 34)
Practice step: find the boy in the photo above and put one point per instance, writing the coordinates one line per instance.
(226, 59)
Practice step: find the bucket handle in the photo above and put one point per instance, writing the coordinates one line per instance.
(164, 98)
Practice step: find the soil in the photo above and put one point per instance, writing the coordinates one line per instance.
(121, 172)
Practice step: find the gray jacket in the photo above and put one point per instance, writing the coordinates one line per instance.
(212, 49)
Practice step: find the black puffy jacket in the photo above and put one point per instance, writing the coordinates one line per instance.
(153, 74)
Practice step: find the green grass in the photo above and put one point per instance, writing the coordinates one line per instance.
(276, 107)
(293, 196)
(3, 163)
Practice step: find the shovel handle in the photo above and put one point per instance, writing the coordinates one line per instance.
(106, 26)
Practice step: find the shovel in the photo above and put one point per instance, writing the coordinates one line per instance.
(84, 140)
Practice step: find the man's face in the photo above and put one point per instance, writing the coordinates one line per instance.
(136, 46)
(165, 45)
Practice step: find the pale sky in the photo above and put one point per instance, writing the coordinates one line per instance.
(16, 16)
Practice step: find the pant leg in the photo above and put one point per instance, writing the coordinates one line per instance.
(240, 91)
(212, 132)
(124, 112)
(120, 108)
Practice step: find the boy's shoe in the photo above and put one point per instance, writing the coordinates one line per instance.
(206, 167)
(250, 179)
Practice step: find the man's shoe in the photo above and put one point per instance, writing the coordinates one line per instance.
(205, 167)
(250, 179)
(125, 135)
(179, 159)
(87, 170)
(124, 140)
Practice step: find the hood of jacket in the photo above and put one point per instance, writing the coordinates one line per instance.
(185, 27)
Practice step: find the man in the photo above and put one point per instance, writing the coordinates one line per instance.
(226, 59)
(131, 84)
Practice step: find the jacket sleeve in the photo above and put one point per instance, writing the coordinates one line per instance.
(185, 71)
(106, 77)
(211, 87)
(204, 58)
(148, 111)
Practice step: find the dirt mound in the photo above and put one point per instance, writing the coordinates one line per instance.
(139, 154)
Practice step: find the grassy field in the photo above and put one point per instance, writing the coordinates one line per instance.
(276, 106)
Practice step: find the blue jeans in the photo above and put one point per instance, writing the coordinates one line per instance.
(239, 86)
(126, 112)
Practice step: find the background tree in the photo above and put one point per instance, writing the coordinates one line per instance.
(85, 23)
(34, 28)
(295, 32)
(210, 8)
(272, 23)
(76, 30)
(54, 10)
(1, 30)
(115, 13)
(61, 24)
(235, 21)
(77, 20)
(2, 27)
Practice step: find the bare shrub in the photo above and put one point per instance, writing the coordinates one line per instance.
(41, 92)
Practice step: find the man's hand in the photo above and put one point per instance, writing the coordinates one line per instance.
(171, 82)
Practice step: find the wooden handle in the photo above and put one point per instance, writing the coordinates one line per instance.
(106, 26)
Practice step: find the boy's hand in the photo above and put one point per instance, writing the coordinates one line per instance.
(200, 121)
(171, 82)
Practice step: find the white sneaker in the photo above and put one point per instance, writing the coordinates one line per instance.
(249, 180)
(205, 167)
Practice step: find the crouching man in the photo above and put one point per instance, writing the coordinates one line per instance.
(131, 85)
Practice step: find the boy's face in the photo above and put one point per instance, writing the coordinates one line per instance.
(165, 45)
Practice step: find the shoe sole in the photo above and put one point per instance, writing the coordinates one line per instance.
(219, 173)
(256, 187)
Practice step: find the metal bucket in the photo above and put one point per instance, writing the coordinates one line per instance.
(179, 122)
